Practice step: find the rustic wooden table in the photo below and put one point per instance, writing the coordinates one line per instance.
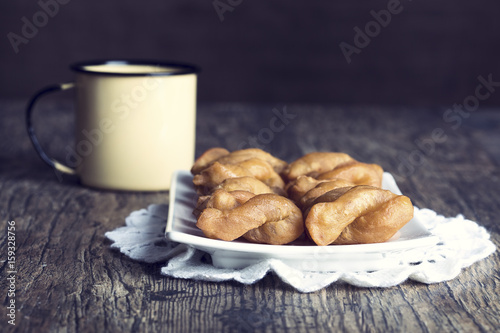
(68, 278)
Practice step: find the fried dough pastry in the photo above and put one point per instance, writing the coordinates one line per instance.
(223, 156)
(303, 184)
(264, 218)
(356, 215)
(239, 156)
(222, 200)
(249, 184)
(215, 174)
(357, 173)
(263, 171)
(298, 187)
(323, 187)
(316, 163)
(333, 197)
(241, 184)
(207, 158)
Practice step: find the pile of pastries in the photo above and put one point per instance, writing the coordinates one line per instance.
(330, 196)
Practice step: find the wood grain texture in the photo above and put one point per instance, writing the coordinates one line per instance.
(68, 279)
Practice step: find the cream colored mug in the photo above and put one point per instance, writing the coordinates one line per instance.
(135, 123)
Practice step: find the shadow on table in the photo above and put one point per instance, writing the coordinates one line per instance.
(30, 168)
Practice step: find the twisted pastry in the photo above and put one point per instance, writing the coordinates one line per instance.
(243, 195)
(241, 184)
(357, 215)
(222, 200)
(239, 156)
(298, 187)
(316, 163)
(357, 173)
(323, 187)
(207, 158)
(264, 218)
(303, 184)
(249, 184)
(215, 174)
(223, 156)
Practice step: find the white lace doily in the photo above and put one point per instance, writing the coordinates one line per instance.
(462, 242)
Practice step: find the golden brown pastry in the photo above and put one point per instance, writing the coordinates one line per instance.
(242, 184)
(207, 158)
(323, 187)
(357, 173)
(299, 187)
(316, 163)
(263, 171)
(239, 156)
(272, 219)
(222, 200)
(215, 174)
(242, 194)
(249, 184)
(356, 215)
(223, 156)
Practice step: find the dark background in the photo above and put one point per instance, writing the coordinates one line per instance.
(273, 51)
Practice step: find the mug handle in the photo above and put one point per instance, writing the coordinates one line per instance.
(31, 132)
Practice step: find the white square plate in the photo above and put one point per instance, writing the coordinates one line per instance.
(405, 246)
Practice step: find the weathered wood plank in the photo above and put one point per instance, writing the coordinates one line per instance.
(69, 280)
